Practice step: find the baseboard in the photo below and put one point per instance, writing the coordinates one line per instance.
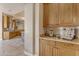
(28, 54)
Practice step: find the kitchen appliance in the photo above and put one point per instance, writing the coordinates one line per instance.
(50, 31)
(67, 33)
(77, 32)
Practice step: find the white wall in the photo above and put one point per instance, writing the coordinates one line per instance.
(37, 6)
(33, 28)
(38, 25)
(1, 50)
(29, 29)
(0, 22)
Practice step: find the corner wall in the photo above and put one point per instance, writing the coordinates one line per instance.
(29, 29)
(38, 25)
(1, 50)
(33, 28)
(0, 22)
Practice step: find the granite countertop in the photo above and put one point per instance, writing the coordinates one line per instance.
(74, 41)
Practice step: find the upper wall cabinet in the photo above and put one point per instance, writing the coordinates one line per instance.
(45, 14)
(5, 21)
(61, 14)
(50, 14)
(76, 14)
(53, 14)
(65, 14)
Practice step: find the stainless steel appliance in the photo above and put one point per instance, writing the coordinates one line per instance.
(66, 32)
(77, 32)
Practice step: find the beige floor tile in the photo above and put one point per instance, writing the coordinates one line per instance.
(13, 47)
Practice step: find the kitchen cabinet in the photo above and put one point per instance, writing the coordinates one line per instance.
(9, 35)
(55, 48)
(5, 21)
(45, 14)
(47, 48)
(42, 47)
(65, 52)
(61, 14)
(65, 14)
(53, 14)
(50, 16)
(76, 14)
(14, 25)
(65, 49)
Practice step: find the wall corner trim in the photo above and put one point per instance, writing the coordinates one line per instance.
(29, 54)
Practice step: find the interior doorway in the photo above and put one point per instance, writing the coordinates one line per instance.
(13, 29)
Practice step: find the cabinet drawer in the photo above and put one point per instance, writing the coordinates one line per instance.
(76, 47)
(65, 45)
(51, 43)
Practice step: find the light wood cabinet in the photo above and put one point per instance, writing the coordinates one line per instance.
(61, 14)
(42, 47)
(65, 49)
(50, 16)
(14, 25)
(45, 15)
(46, 48)
(65, 14)
(76, 14)
(10, 35)
(53, 14)
(65, 52)
(5, 21)
(55, 48)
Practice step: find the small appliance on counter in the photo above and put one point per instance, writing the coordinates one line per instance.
(67, 33)
(77, 32)
(49, 31)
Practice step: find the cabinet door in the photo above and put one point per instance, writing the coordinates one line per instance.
(50, 14)
(65, 49)
(66, 52)
(45, 14)
(57, 49)
(65, 14)
(53, 14)
(46, 48)
(42, 47)
(5, 21)
(76, 14)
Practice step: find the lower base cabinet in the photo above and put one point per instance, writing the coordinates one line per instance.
(47, 48)
(52, 48)
(9, 35)
(65, 52)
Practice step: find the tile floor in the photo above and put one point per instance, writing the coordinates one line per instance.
(13, 47)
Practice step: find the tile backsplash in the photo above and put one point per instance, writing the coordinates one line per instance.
(54, 31)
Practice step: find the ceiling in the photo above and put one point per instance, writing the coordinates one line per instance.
(12, 8)
(19, 16)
